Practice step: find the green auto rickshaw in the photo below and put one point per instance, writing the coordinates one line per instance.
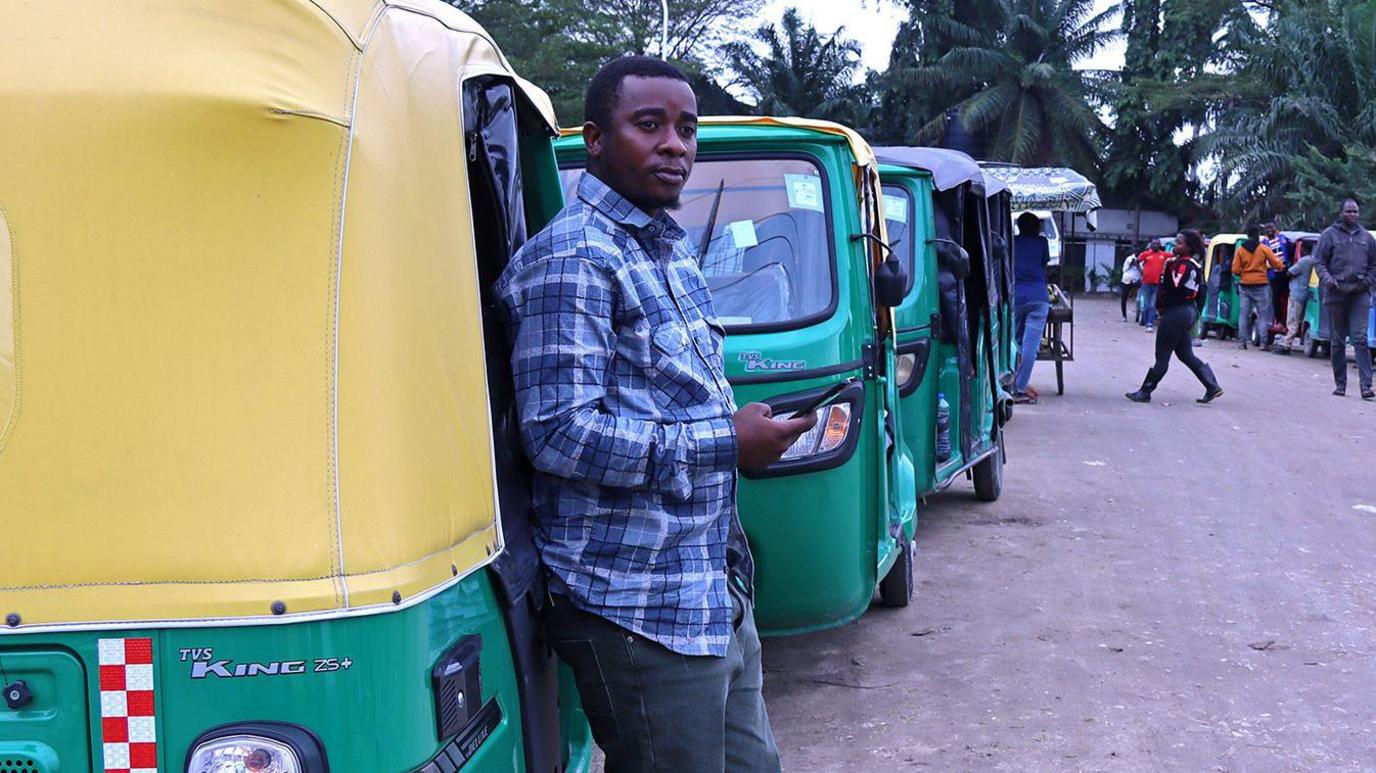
(786, 214)
(1220, 315)
(261, 507)
(945, 218)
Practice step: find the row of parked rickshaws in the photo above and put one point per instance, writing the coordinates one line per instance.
(263, 500)
(1219, 316)
(795, 219)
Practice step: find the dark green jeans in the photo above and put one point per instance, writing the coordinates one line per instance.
(652, 709)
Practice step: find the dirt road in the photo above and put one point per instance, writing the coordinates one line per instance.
(1165, 587)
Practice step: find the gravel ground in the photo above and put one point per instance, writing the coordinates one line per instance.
(1164, 587)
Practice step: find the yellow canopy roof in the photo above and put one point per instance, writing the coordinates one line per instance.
(241, 356)
(864, 155)
(1214, 242)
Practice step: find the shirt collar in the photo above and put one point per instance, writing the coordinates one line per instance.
(601, 197)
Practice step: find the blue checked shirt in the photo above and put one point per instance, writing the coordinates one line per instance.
(626, 415)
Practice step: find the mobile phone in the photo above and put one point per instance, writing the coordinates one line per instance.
(824, 398)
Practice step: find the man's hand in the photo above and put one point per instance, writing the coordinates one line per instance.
(1330, 283)
(763, 439)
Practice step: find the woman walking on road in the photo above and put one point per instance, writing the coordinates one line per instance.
(1181, 281)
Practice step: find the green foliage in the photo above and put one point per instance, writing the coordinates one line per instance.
(559, 44)
(1302, 118)
(1028, 99)
(908, 97)
(1323, 181)
(793, 70)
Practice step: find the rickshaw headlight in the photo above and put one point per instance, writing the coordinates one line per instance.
(828, 434)
(244, 754)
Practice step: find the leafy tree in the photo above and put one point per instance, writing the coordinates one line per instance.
(907, 98)
(559, 44)
(1322, 182)
(1301, 121)
(549, 43)
(800, 72)
(1142, 158)
(696, 27)
(1030, 102)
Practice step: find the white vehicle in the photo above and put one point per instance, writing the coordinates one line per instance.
(1050, 230)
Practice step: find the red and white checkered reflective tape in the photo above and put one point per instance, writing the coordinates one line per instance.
(128, 726)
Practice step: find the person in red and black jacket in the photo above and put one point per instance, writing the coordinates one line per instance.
(1182, 280)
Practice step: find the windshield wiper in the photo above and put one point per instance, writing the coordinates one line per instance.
(711, 222)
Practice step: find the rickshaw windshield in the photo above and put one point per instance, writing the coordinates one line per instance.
(769, 259)
(898, 216)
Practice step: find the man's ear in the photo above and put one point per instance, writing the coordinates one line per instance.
(592, 139)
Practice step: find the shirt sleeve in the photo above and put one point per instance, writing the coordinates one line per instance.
(1371, 263)
(561, 311)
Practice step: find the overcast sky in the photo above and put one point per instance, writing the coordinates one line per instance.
(874, 22)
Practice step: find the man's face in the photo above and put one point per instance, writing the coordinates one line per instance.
(1350, 213)
(648, 150)
(1269, 230)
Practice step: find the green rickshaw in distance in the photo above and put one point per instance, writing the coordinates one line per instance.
(786, 216)
(264, 506)
(944, 221)
(1220, 314)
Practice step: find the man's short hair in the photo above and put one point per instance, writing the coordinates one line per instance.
(605, 87)
(1352, 199)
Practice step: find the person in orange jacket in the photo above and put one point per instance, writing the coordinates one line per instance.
(1254, 288)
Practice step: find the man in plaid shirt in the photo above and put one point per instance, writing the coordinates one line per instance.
(629, 422)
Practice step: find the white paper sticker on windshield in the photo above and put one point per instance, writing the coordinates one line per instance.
(743, 234)
(804, 191)
(896, 208)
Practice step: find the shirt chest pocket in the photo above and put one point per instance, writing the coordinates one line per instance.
(676, 374)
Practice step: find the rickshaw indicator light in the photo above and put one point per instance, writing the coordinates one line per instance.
(837, 427)
(828, 434)
(244, 754)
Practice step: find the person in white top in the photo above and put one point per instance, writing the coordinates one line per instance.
(1131, 282)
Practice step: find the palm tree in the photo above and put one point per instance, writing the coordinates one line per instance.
(800, 72)
(1300, 129)
(1029, 102)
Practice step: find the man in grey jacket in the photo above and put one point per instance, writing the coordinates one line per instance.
(1346, 263)
(1299, 298)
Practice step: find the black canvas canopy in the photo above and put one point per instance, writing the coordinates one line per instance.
(949, 168)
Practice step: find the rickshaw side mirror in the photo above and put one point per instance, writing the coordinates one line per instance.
(890, 278)
(953, 256)
(890, 282)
